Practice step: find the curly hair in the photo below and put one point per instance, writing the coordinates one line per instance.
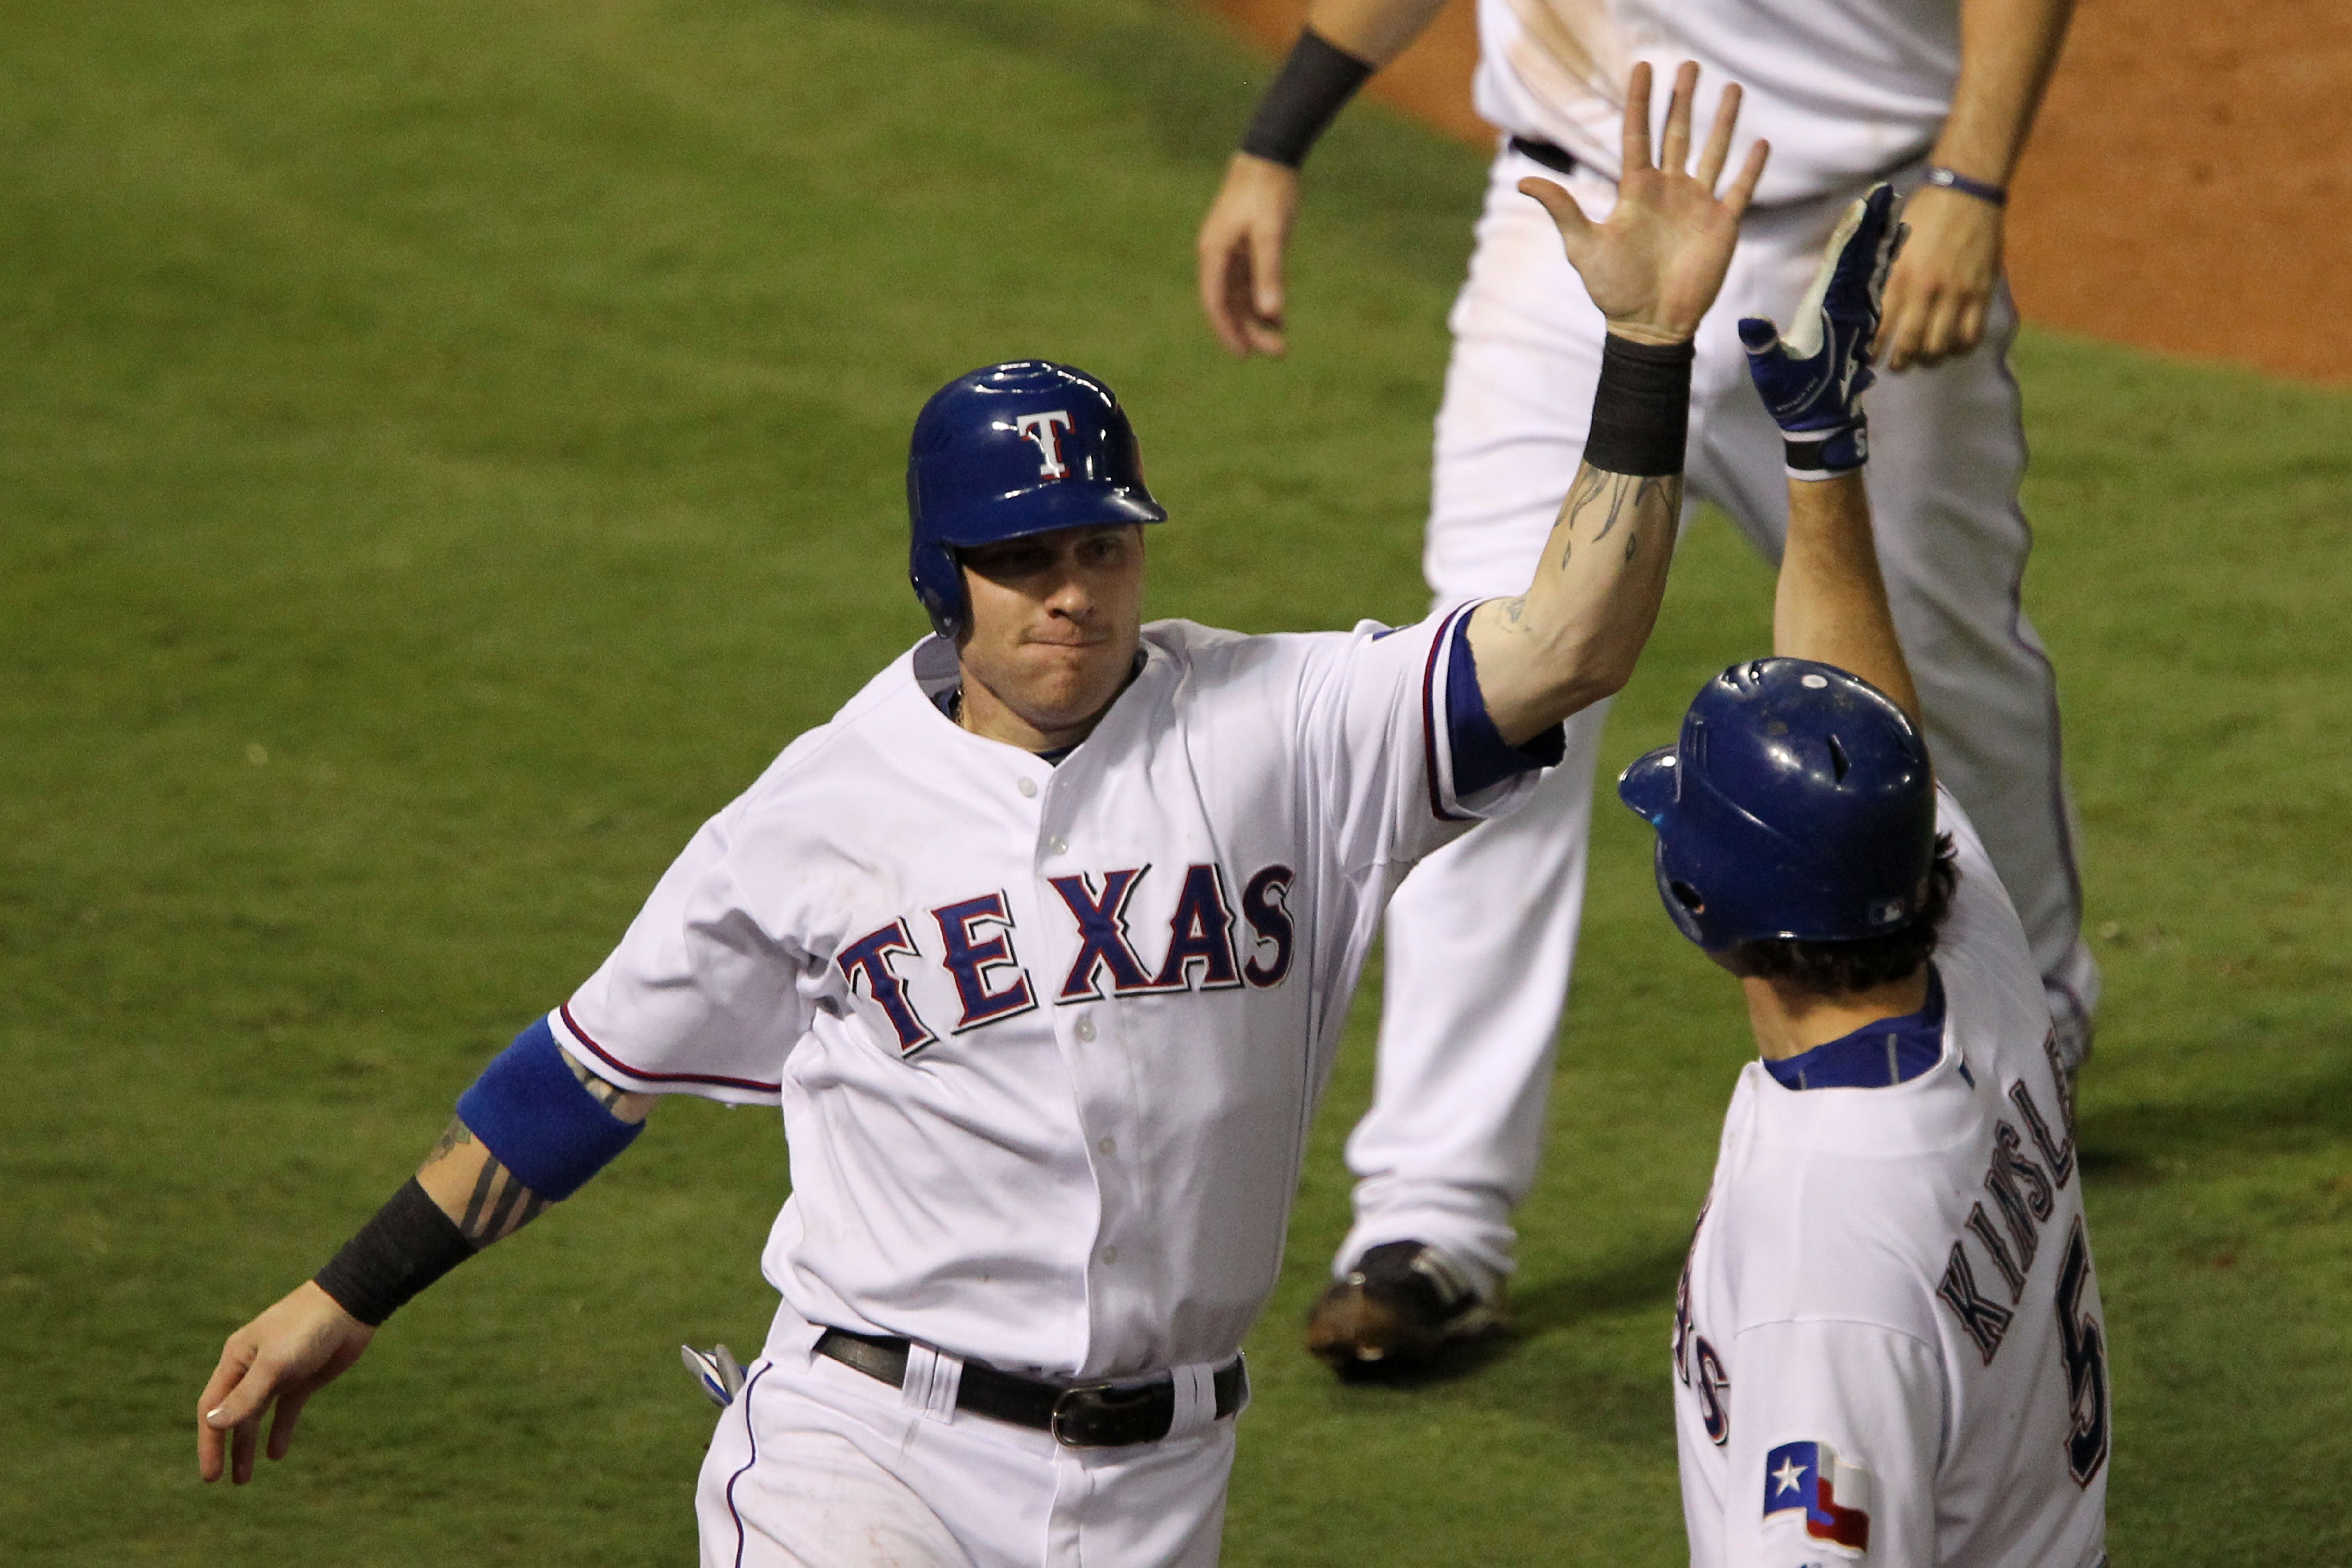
(1844, 968)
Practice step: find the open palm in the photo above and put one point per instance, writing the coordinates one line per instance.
(1653, 267)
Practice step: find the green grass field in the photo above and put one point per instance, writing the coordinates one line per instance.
(444, 451)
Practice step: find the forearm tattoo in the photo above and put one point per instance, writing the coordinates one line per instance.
(499, 1205)
(1597, 503)
(452, 1137)
(608, 1095)
(1620, 497)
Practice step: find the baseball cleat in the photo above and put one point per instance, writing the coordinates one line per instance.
(1400, 1303)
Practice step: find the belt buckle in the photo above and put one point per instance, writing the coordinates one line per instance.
(1067, 1405)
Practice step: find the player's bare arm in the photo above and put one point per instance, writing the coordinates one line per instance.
(1244, 238)
(1652, 269)
(310, 1337)
(1941, 290)
(1831, 603)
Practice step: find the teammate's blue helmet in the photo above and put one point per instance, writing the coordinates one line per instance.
(1798, 802)
(1012, 449)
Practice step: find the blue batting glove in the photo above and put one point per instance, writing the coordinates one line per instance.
(1814, 377)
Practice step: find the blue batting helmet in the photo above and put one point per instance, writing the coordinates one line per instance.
(1798, 802)
(1009, 450)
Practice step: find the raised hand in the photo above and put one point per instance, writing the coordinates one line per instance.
(1654, 265)
(1812, 377)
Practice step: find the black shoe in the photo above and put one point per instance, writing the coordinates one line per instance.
(1396, 1307)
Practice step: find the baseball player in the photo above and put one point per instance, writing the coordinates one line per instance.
(1887, 1340)
(1043, 945)
(1936, 98)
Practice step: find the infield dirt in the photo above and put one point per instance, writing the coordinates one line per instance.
(2191, 172)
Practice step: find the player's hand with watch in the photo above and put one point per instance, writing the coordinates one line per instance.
(1941, 288)
(1654, 265)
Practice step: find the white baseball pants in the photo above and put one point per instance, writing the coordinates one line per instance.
(1481, 935)
(816, 1465)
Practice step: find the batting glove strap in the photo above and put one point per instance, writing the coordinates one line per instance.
(1825, 454)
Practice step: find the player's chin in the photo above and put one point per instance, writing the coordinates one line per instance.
(1072, 681)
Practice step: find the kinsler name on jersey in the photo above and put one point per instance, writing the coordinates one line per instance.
(992, 984)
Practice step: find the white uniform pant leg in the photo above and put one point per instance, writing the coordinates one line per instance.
(782, 1489)
(1946, 455)
(815, 1465)
(1481, 935)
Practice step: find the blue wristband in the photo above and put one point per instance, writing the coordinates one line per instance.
(540, 1122)
(1953, 180)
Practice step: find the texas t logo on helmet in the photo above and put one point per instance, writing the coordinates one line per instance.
(1039, 427)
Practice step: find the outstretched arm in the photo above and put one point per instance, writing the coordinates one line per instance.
(1830, 604)
(464, 1198)
(1652, 269)
(1244, 238)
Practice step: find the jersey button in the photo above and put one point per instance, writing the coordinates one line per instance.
(1028, 787)
(1108, 1146)
(1110, 1255)
(1084, 1028)
(1058, 845)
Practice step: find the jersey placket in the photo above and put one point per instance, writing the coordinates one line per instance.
(1089, 1033)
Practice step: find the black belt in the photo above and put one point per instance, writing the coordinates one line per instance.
(1558, 160)
(1084, 1415)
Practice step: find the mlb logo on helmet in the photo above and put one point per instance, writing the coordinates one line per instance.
(1807, 1483)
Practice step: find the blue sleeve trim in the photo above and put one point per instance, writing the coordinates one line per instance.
(1481, 759)
(540, 1121)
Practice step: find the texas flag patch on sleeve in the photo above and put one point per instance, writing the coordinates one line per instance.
(1807, 1483)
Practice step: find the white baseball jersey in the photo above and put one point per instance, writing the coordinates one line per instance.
(1888, 1344)
(1843, 90)
(1047, 1039)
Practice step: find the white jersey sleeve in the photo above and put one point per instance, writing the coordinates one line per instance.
(699, 997)
(1835, 1432)
(1377, 745)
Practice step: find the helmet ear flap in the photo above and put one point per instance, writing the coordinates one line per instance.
(937, 578)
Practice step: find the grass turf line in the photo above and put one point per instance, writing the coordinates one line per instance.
(444, 453)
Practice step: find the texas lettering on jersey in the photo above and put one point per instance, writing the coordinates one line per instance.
(1695, 1361)
(975, 946)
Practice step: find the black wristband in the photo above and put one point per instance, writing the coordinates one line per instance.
(409, 1244)
(1640, 410)
(1315, 84)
